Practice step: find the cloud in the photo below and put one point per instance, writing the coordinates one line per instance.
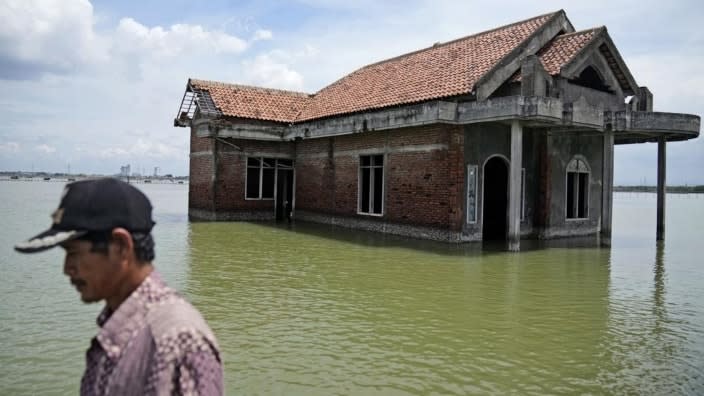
(180, 39)
(266, 71)
(143, 149)
(262, 34)
(45, 148)
(39, 37)
(54, 36)
(9, 147)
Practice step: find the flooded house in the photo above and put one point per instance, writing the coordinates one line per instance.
(504, 134)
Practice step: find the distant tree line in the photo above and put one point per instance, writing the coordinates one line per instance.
(670, 189)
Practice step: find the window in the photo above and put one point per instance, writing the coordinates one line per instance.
(577, 189)
(261, 176)
(471, 193)
(371, 184)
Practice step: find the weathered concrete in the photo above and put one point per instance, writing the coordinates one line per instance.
(530, 108)
(584, 109)
(642, 126)
(607, 184)
(514, 197)
(432, 112)
(645, 99)
(660, 232)
(582, 114)
(563, 148)
(535, 81)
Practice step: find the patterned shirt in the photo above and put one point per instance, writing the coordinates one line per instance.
(154, 343)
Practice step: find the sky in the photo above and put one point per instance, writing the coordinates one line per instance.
(92, 86)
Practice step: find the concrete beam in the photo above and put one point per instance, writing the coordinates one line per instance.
(660, 232)
(514, 188)
(533, 108)
(629, 126)
(433, 112)
(256, 133)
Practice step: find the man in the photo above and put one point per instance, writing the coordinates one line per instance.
(151, 341)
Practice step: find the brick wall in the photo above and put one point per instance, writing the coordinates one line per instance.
(424, 173)
(425, 188)
(200, 173)
(314, 174)
(423, 181)
(232, 171)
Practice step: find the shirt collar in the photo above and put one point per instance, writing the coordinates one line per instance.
(117, 327)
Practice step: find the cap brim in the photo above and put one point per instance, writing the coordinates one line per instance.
(47, 240)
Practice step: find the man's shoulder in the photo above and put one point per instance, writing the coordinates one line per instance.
(176, 325)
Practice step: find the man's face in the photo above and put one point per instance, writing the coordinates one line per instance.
(94, 274)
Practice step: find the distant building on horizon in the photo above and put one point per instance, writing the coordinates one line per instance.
(125, 171)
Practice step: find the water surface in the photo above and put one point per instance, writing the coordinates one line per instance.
(314, 310)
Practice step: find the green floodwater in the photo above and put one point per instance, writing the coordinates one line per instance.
(313, 310)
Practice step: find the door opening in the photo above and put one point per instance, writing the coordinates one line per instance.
(495, 213)
(284, 194)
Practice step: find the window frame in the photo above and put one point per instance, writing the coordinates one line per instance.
(261, 168)
(372, 166)
(579, 196)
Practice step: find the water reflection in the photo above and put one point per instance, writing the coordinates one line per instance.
(308, 312)
(649, 352)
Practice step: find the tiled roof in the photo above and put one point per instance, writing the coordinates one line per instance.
(442, 70)
(563, 48)
(254, 102)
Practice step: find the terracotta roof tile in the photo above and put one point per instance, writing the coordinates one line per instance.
(563, 48)
(442, 70)
(254, 102)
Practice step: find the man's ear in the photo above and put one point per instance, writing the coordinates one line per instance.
(123, 241)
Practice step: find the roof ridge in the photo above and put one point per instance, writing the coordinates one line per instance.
(584, 31)
(439, 45)
(551, 19)
(248, 87)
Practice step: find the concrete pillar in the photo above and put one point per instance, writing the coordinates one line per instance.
(607, 187)
(645, 99)
(514, 187)
(660, 234)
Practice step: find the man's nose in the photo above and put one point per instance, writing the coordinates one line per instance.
(69, 268)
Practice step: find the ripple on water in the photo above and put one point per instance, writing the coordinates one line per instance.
(319, 311)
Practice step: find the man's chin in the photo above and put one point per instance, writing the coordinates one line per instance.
(89, 299)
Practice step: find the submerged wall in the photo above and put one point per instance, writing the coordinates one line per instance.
(424, 183)
(423, 180)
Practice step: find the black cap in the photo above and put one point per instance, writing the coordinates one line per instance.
(92, 206)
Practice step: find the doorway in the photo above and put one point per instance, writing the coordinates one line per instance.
(284, 190)
(495, 199)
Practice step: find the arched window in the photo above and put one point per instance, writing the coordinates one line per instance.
(577, 189)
